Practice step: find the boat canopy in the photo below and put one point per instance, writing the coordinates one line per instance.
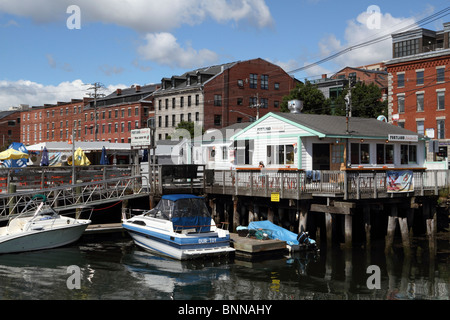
(185, 211)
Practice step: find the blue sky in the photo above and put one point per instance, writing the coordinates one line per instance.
(121, 43)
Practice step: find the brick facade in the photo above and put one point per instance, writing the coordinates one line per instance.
(9, 128)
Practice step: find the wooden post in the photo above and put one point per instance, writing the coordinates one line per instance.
(236, 215)
(251, 214)
(403, 222)
(256, 215)
(124, 208)
(303, 217)
(348, 230)
(270, 214)
(431, 233)
(367, 224)
(392, 224)
(329, 227)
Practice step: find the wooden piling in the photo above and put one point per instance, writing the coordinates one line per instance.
(329, 227)
(236, 214)
(367, 225)
(403, 222)
(270, 214)
(392, 223)
(348, 230)
(302, 217)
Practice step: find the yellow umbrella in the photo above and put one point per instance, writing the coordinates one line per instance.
(12, 154)
(80, 158)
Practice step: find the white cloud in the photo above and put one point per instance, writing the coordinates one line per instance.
(13, 93)
(144, 15)
(164, 49)
(360, 30)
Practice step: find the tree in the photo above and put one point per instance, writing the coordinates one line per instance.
(313, 99)
(365, 101)
(190, 127)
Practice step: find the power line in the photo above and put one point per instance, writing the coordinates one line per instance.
(429, 19)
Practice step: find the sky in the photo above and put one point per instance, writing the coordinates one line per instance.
(54, 50)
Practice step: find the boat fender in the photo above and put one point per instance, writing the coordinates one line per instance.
(68, 221)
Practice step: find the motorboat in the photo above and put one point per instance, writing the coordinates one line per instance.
(41, 228)
(180, 227)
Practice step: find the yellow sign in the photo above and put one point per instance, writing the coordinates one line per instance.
(275, 197)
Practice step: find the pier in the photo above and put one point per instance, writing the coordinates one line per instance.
(339, 207)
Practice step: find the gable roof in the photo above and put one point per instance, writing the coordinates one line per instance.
(336, 126)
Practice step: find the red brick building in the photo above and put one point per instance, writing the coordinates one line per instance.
(419, 86)
(9, 128)
(219, 96)
(117, 114)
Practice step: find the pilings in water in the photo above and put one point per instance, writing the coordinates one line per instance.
(336, 222)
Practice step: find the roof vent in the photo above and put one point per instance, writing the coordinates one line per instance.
(295, 106)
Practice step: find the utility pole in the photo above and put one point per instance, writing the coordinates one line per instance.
(257, 106)
(96, 87)
(348, 101)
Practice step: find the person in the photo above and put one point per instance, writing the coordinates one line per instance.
(261, 164)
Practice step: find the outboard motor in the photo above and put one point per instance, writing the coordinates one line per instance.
(304, 240)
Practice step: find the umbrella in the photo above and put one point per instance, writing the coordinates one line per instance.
(80, 158)
(12, 154)
(44, 158)
(104, 158)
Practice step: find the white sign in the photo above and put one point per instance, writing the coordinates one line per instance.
(267, 129)
(403, 138)
(140, 137)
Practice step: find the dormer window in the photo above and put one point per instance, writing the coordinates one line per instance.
(188, 80)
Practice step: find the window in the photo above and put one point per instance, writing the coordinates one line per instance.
(197, 99)
(400, 80)
(217, 120)
(240, 83)
(360, 153)
(166, 121)
(240, 101)
(277, 86)
(116, 127)
(441, 100)
(264, 103)
(419, 98)
(408, 154)
(419, 78)
(129, 125)
(173, 120)
(420, 127)
(440, 128)
(264, 82)
(173, 103)
(160, 121)
(189, 101)
(123, 113)
(217, 100)
(253, 101)
(129, 112)
(253, 81)
(181, 102)
(167, 104)
(136, 111)
(385, 154)
(401, 103)
(109, 127)
(440, 74)
(281, 155)
(337, 153)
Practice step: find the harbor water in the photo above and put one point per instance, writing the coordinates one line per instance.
(113, 268)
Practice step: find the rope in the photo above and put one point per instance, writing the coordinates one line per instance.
(107, 207)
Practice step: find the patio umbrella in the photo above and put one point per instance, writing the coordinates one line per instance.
(44, 158)
(104, 158)
(12, 154)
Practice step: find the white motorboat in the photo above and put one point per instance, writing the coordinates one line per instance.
(180, 227)
(42, 228)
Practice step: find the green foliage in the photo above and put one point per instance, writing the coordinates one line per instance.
(191, 127)
(366, 101)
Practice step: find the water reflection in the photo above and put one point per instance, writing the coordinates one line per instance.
(120, 270)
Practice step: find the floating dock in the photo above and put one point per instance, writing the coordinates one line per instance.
(251, 248)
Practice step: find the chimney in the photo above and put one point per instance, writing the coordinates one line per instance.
(324, 76)
(138, 88)
(119, 92)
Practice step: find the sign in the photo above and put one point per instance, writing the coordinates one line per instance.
(140, 137)
(403, 138)
(275, 197)
(267, 129)
(400, 181)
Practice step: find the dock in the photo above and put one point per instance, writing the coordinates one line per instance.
(250, 248)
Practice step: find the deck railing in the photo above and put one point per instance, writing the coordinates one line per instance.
(297, 184)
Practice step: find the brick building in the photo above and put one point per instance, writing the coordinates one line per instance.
(9, 128)
(117, 114)
(419, 86)
(219, 96)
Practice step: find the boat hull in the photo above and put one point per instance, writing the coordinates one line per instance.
(42, 239)
(179, 246)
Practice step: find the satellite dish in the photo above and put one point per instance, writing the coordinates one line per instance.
(64, 158)
(295, 106)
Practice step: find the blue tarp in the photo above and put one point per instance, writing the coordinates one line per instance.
(275, 232)
(176, 197)
(19, 163)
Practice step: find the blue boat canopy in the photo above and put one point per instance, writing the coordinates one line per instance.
(185, 211)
